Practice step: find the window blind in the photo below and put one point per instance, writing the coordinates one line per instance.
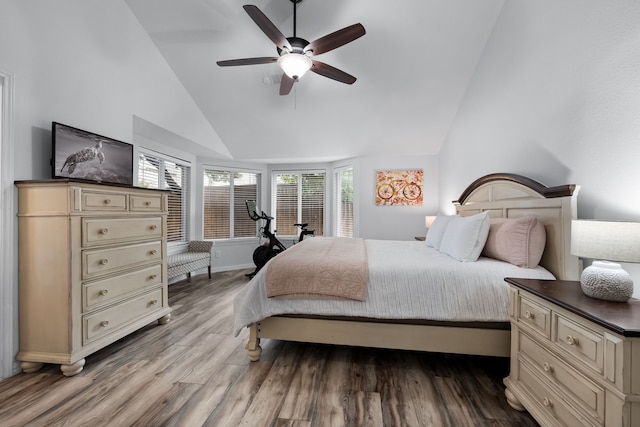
(161, 173)
(287, 197)
(313, 201)
(299, 199)
(225, 213)
(245, 187)
(344, 202)
(217, 198)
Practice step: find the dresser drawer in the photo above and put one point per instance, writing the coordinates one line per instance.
(104, 292)
(103, 201)
(583, 344)
(550, 402)
(589, 395)
(146, 203)
(114, 230)
(97, 325)
(98, 262)
(534, 315)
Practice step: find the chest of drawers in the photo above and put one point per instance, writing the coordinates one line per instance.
(575, 360)
(92, 268)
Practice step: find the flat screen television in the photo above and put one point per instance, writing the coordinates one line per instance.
(89, 156)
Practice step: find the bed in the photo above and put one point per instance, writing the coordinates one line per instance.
(464, 329)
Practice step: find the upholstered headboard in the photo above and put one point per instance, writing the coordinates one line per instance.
(510, 196)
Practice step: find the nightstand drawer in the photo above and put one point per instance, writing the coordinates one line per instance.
(534, 315)
(582, 343)
(575, 385)
(549, 401)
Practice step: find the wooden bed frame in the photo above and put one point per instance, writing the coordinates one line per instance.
(503, 195)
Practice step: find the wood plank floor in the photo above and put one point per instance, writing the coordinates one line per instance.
(193, 372)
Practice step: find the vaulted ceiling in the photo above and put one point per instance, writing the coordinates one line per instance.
(413, 67)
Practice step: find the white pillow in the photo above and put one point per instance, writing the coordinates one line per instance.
(465, 237)
(436, 231)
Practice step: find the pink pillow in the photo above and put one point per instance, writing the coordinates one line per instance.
(519, 241)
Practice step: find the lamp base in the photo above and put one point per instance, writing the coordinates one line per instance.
(606, 281)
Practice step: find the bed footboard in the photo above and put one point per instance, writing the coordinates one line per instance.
(404, 336)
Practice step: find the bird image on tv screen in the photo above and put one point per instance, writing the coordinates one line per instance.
(85, 155)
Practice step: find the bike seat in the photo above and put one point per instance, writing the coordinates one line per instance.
(301, 225)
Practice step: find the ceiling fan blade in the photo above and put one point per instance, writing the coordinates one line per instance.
(247, 61)
(286, 84)
(332, 73)
(267, 27)
(336, 39)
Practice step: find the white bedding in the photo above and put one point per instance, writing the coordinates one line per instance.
(407, 280)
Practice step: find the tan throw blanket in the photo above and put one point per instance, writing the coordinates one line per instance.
(320, 268)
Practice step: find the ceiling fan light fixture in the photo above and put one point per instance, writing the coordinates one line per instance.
(294, 64)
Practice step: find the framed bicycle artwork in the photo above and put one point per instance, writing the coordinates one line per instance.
(399, 187)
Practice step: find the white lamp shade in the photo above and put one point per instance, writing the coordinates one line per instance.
(428, 220)
(294, 64)
(606, 240)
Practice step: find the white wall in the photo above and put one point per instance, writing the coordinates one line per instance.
(556, 97)
(89, 64)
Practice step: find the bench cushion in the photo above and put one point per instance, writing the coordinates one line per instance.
(187, 257)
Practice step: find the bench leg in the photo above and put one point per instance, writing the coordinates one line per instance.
(189, 275)
(209, 268)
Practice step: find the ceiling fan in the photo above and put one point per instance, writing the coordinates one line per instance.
(295, 53)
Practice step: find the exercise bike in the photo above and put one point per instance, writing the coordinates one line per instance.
(263, 253)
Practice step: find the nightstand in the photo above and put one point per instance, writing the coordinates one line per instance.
(575, 360)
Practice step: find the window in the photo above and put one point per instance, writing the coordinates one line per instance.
(299, 198)
(225, 212)
(157, 172)
(344, 201)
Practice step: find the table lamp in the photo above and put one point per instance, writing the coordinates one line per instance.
(428, 220)
(606, 242)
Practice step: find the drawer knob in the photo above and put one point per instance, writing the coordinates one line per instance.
(154, 302)
(153, 251)
(104, 323)
(153, 227)
(572, 340)
(153, 276)
(147, 203)
(528, 315)
(547, 367)
(104, 230)
(104, 292)
(546, 402)
(104, 261)
(107, 201)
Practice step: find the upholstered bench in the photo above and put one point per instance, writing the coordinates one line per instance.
(198, 256)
